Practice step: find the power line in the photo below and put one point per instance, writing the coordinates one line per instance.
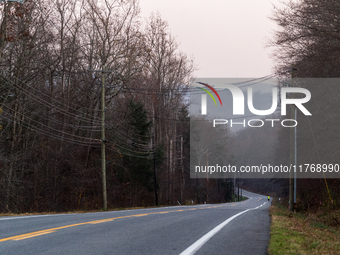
(46, 103)
(53, 120)
(49, 134)
(42, 124)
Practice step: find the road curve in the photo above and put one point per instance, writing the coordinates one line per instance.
(230, 228)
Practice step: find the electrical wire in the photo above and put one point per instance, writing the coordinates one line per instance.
(49, 134)
(47, 104)
(85, 128)
(42, 124)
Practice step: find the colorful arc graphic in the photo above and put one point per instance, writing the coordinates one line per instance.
(207, 91)
(213, 90)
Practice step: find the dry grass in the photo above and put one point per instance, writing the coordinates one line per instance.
(303, 234)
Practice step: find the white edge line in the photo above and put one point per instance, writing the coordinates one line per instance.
(24, 217)
(199, 243)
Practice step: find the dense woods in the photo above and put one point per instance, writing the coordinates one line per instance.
(55, 59)
(308, 38)
(55, 56)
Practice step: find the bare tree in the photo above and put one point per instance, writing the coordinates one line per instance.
(308, 36)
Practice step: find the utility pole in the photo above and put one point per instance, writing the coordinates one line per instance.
(154, 156)
(292, 149)
(103, 140)
(182, 166)
(154, 164)
(218, 191)
(170, 172)
(155, 176)
(234, 187)
(207, 177)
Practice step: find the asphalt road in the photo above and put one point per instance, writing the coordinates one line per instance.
(232, 228)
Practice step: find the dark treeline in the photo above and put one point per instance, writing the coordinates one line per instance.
(308, 38)
(55, 56)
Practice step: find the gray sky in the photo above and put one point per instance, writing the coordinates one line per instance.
(226, 38)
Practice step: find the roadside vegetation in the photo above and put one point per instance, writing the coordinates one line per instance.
(314, 232)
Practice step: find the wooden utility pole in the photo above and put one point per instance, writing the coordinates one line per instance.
(207, 177)
(170, 171)
(292, 149)
(182, 166)
(155, 177)
(234, 188)
(154, 156)
(103, 140)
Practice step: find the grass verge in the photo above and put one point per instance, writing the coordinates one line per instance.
(301, 234)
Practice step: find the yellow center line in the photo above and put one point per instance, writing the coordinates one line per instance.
(101, 221)
(32, 235)
(51, 230)
(139, 215)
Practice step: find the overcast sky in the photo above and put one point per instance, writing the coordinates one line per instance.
(226, 38)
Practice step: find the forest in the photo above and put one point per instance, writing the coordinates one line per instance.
(68, 70)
